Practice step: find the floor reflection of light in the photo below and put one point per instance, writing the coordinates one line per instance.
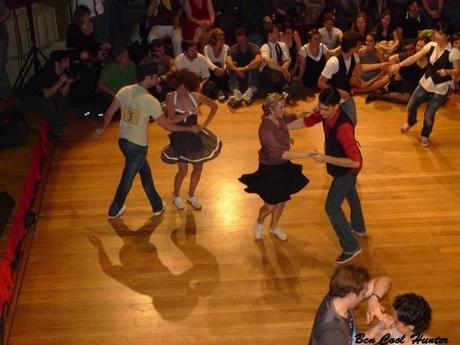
(230, 200)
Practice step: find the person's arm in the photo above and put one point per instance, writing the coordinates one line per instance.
(339, 161)
(212, 14)
(51, 91)
(454, 72)
(408, 61)
(301, 61)
(255, 63)
(395, 45)
(377, 289)
(164, 122)
(202, 99)
(230, 63)
(104, 88)
(323, 83)
(305, 119)
(108, 115)
(152, 8)
(66, 88)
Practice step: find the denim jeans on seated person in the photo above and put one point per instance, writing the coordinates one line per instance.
(135, 161)
(343, 187)
(435, 101)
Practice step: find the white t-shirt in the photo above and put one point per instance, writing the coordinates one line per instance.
(197, 65)
(268, 50)
(427, 83)
(137, 106)
(332, 66)
(305, 51)
(330, 39)
(211, 59)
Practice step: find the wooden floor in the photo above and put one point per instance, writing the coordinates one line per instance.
(193, 277)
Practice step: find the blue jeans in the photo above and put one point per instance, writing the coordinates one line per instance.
(435, 101)
(135, 161)
(251, 78)
(343, 187)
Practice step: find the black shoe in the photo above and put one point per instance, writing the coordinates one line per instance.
(345, 257)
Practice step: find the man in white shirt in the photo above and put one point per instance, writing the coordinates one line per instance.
(274, 75)
(137, 107)
(197, 63)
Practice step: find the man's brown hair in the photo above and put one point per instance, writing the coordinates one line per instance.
(348, 279)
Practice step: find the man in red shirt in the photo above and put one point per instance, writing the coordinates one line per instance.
(343, 161)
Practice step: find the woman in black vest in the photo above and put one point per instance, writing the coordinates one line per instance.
(443, 64)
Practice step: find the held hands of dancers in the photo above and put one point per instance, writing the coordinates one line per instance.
(317, 156)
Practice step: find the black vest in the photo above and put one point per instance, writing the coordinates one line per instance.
(333, 146)
(440, 63)
(341, 80)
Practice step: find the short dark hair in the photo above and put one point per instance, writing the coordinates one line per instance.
(445, 27)
(329, 96)
(328, 16)
(348, 279)
(240, 32)
(184, 77)
(414, 310)
(58, 56)
(455, 36)
(145, 70)
(312, 33)
(349, 40)
(186, 44)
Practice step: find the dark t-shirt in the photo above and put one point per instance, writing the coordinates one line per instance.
(80, 41)
(243, 58)
(44, 79)
(329, 328)
(411, 26)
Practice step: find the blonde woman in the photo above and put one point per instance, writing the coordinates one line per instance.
(276, 178)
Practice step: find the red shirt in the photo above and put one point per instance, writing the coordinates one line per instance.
(345, 135)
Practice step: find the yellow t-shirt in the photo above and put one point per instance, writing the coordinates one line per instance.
(137, 106)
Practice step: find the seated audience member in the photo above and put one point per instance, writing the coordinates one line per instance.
(165, 65)
(431, 11)
(243, 61)
(115, 75)
(387, 35)
(349, 285)
(293, 43)
(330, 35)
(198, 21)
(99, 17)
(274, 75)
(164, 18)
(312, 59)
(411, 23)
(412, 317)
(87, 57)
(370, 55)
(401, 86)
(47, 91)
(196, 62)
(362, 25)
(216, 54)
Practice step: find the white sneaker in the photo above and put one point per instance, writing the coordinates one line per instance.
(193, 200)
(247, 95)
(279, 233)
(177, 200)
(158, 213)
(119, 213)
(258, 231)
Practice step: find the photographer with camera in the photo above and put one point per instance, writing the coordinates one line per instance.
(47, 91)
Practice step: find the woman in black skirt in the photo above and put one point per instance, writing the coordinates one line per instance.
(277, 178)
(182, 108)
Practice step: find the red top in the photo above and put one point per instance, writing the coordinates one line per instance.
(188, 28)
(345, 135)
